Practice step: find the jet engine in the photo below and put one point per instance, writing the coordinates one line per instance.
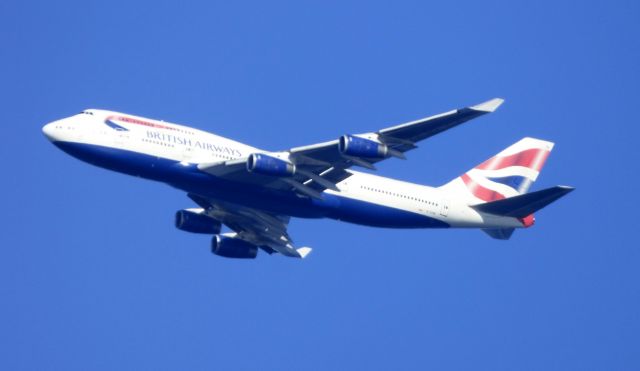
(359, 147)
(195, 221)
(267, 165)
(230, 247)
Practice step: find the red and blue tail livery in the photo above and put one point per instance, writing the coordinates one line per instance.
(509, 173)
(253, 193)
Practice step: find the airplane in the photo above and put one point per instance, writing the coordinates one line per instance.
(255, 192)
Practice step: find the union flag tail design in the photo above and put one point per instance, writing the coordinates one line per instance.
(507, 174)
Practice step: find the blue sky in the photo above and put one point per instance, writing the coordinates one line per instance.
(94, 276)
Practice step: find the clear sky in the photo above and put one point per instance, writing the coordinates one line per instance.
(93, 275)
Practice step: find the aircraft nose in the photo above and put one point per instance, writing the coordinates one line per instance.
(49, 131)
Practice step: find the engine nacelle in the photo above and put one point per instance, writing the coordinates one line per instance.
(196, 222)
(263, 164)
(230, 247)
(359, 147)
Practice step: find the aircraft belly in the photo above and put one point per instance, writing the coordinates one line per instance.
(372, 214)
(187, 177)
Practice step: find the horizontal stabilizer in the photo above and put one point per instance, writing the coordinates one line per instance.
(500, 233)
(303, 251)
(524, 205)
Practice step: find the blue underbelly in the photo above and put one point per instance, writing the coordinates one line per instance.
(376, 215)
(189, 179)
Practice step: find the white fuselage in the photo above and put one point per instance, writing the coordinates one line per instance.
(362, 197)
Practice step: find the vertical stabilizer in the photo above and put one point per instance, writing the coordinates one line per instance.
(507, 174)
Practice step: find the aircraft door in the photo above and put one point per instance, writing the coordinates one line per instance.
(187, 153)
(121, 138)
(444, 207)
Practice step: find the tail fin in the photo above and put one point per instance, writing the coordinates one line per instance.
(507, 174)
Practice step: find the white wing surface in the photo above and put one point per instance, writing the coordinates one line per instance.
(309, 170)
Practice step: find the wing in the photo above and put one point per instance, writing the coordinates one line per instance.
(401, 137)
(265, 230)
(321, 166)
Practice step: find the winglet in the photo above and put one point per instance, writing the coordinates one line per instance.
(303, 252)
(488, 106)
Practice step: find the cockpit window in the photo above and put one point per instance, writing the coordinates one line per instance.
(86, 113)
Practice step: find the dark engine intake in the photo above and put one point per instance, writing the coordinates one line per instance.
(193, 222)
(359, 147)
(267, 165)
(233, 248)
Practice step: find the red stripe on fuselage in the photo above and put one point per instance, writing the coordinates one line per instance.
(479, 191)
(532, 158)
(130, 120)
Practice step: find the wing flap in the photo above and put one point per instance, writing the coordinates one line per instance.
(265, 230)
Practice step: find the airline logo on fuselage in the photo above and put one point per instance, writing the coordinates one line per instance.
(188, 142)
(169, 138)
